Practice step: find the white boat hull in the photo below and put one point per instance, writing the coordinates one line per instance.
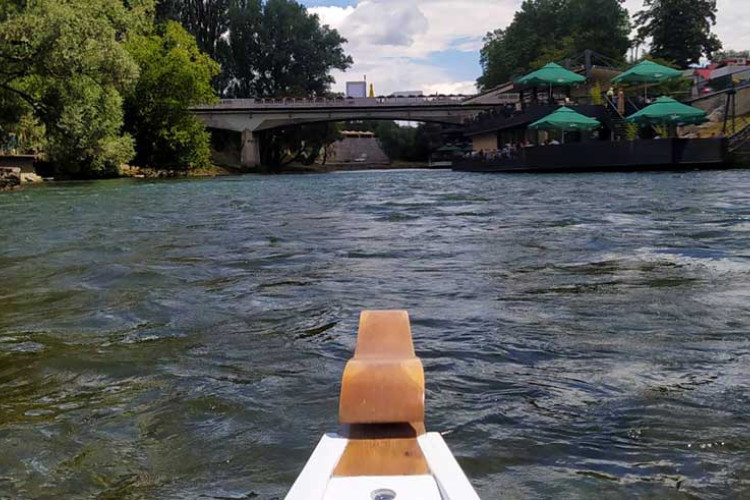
(445, 481)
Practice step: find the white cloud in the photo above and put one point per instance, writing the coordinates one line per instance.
(332, 16)
(391, 40)
(450, 88)
(383, 22)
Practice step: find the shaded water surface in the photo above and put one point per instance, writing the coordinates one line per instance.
(584, 336)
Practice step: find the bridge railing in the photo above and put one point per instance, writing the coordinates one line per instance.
(345, 102)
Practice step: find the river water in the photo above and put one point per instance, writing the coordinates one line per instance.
(584, 336)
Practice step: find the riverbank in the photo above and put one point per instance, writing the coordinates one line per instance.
(13, 178)
(10, 178)
(350, 167)
(155, 173)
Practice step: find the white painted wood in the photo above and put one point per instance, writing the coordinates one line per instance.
(313, 480)
(446, 480)
(453, 483)
(364, 487)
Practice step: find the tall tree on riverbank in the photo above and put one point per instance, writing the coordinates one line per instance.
(63, 62)
(206, 20)
(730, 54)
(65, 68)
(277, 48)
(174, 75)
(679, 30)
(268, 48)
(547, 30)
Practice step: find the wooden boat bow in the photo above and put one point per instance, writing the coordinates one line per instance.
(382, 400)
(382, 451)
(384, 382)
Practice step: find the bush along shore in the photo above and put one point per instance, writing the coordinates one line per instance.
(97, 84)
(161, 173)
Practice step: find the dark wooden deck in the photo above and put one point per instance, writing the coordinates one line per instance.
(655, 154)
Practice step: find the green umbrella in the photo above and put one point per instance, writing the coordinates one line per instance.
(647, 72)
(566, 120)
(551, 74)
(667, 111)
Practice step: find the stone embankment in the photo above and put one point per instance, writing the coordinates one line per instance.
(10, 178)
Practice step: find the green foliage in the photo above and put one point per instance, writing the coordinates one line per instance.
(680, 30)
(730, 54)
(206, 20)
(277, 49)
(89, 73)
(31, 134)
(631, 131)
(550, 30)
(63, 61)
(84, 133)
(271, 48)
(597, 97)
(661, 130)
(298, 144)
(174, 75)
(558, 52)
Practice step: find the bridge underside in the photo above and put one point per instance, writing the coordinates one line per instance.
(251, 122)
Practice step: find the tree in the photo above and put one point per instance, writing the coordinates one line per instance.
(732, 54)
(272, 48)
(680, 30)
(206, 20)
(297, 144)
(277, 48)
(548, 30)
(63, 62)
(174, 75)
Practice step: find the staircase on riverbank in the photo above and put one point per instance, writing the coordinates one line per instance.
(740, 140)
(358, 147)
(739, 147)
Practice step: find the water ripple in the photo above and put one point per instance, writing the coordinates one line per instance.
(583, 336)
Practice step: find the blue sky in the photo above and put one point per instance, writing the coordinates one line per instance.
(433, 45)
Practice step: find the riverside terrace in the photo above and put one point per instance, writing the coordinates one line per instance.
(612, 132)
(607, 149)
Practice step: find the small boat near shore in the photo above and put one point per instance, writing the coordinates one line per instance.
(382, 451)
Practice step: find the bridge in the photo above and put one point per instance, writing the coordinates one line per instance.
(250, 117)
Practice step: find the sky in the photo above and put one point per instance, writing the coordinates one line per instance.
(433, 45)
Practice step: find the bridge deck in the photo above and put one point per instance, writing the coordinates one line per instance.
(431, 102)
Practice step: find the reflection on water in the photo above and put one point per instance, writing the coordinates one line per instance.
(583, 336)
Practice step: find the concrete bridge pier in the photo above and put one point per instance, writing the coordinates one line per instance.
(250, 154)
